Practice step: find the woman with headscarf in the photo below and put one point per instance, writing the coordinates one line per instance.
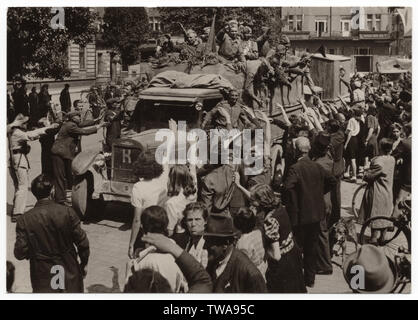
(284, 258)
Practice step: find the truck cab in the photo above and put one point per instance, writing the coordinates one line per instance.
(155, 107)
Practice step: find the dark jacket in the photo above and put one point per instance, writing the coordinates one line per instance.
(44, 103)
(197, 278)
(404, 151)
(48, 235)
(21, 101)
(68, 139)
(33, 106)
(337, 151)
(304, 190)
(217, 189)
(65, 100)
(114, 130)
(240, 276)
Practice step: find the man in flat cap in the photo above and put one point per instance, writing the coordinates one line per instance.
(65, 149)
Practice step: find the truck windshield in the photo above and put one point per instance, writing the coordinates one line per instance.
(155, 115)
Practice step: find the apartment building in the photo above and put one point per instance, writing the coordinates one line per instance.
(361, 33)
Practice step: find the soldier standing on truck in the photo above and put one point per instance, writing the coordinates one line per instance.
(192, 47)
(248, 46)
(230, 42)
(229, 114)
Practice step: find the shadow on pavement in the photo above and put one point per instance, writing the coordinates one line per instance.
(99, 288)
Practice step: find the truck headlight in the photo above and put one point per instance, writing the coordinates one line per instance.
(198, 106)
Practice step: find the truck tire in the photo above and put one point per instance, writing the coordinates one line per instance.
(82, 201)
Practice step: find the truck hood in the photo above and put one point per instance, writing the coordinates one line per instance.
(146, 138)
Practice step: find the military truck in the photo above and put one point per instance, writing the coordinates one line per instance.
(93, 187)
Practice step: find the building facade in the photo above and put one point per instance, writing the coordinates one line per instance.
(361, 33)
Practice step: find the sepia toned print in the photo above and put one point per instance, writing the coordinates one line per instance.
(209, 150)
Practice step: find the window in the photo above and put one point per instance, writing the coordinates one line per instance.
(100, 63)
(362, 51)
(299, 19)
(321, 27)
(345, 27)
(331, 51)
(378, 21)
(82, 58)
(290, 22)
(370, 22)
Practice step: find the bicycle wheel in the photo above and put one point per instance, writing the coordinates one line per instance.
(397, 234)
(357, 199)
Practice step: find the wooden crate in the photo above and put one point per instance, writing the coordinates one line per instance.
(325, 73)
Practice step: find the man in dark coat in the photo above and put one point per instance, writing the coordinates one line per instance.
(65, 149)
(321, 154)
(65, 99)
(304, 189)
(21, 100)
(33, 108)
(50, 236)
(337, 151)
(113, 115)
(47, 141)
(44, 101)
(230, 269)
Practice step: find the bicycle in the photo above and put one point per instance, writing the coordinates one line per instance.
(401, 257)
(357, 199)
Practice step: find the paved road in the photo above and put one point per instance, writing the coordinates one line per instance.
(109, 240)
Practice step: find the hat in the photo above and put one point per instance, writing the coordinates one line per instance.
(379, 270)
(322, 140)
(246, 30)
(19, 120)
(220, 226)
(284, 40)
(191, 32)
(280, 48)
(233, 23)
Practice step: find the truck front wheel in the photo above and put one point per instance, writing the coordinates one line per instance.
(82, 201)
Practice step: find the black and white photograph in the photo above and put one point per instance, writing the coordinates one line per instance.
(210, 149)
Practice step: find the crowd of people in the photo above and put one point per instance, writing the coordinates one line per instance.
(212, 228)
